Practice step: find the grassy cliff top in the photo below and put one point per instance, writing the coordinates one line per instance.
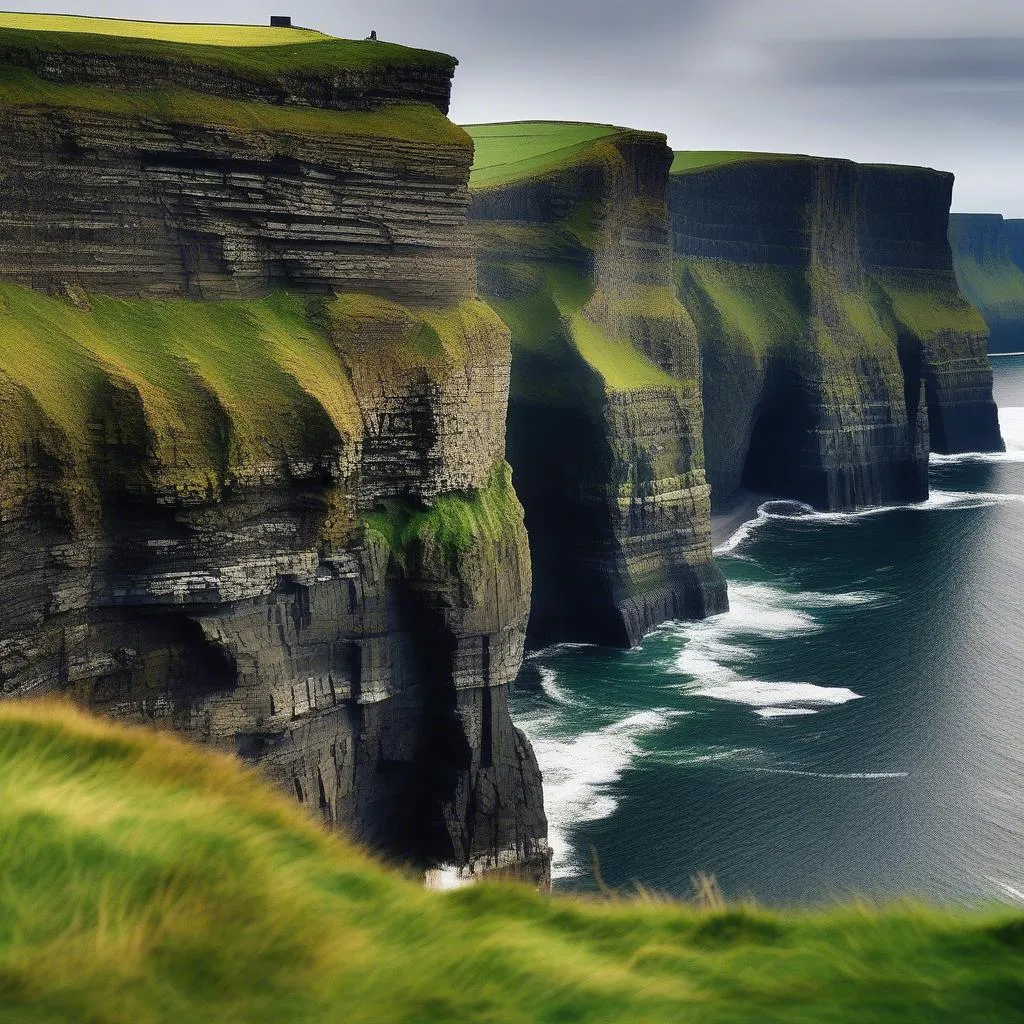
(254, 50)
(686, 161)
(166, 31)
(405, 122)
(149, 881)
(525, 149)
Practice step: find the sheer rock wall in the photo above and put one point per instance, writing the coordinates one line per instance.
(605, 413)
(834, 339)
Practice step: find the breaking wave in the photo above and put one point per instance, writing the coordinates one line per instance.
(580, 768)
(713, 650)
(937, 499)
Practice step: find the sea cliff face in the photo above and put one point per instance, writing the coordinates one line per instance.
(254, 485)
(604, 427)
(988, 256)
(834, 340)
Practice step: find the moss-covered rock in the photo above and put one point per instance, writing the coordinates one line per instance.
(988, 256)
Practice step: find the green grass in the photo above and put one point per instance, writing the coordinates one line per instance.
(619, 365)
(756, 306)
(552, 322)
(702, 160)
(927, 307)
(995, 286)
(143, 881)
(454, 523)
(409, 122)
(526, 149)
(254, 51)
(220, 387)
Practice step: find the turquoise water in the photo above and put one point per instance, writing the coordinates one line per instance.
(854, 724)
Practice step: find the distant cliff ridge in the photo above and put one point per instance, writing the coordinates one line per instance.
(988, 255)
(252, 455)
(604, 429)
(836, 347)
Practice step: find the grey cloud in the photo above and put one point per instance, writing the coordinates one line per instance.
(901, 61)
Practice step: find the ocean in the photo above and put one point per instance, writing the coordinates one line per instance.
(854, 725)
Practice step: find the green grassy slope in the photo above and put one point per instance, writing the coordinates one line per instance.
(556, 309)
(524, 149)
(211, 391)
(221, 385)
(454, 523)
(166, 31)
(146, 881)
(257, 51)
(702, 160)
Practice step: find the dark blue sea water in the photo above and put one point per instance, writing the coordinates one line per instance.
(854, 724)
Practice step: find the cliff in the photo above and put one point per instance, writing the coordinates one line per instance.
(253, 471)
(835, 344)
(988, 255)
(176, 888)
(604, 424)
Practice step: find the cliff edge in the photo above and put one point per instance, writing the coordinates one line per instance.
(604, 426)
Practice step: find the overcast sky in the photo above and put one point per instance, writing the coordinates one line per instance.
(934, 82)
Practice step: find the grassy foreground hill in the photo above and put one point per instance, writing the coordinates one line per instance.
(144, 880)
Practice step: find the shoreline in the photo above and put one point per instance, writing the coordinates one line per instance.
(742, 508)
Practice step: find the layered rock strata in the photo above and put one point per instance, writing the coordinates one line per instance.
(280, 523)
(604, 427)
(154, 188)
(903, 218)
(988, 256)
(834, 340)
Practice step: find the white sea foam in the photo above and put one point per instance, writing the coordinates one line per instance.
(579, 770)
(549, 684)
(937, 499)
(446, 877)
(1011, 426)
(765, 694)
(1015, 892)
(715, 649)
(833, 775)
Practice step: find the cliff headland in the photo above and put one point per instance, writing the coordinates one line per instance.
(836, 347)
(254, 486)
(253, 457)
